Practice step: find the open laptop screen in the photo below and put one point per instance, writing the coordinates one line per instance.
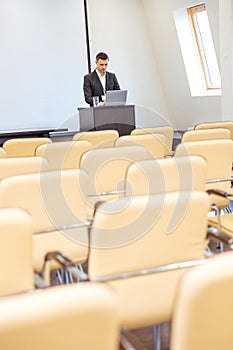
(116, 97)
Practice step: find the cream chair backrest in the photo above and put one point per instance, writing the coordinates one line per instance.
(154, 143)
(54, 199)
(100, 138)
(167, 130)
(218, 155)
(206, 134)
(214, 125)
(64, 154)
(203, 312)
(140, 234)
(63, 317)
(2, 153)
(166, 175)
(23, 147)
(16, 231)
(22, 165)
(106, 168)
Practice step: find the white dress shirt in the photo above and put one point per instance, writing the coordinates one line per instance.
(102, 79)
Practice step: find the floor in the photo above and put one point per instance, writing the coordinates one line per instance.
(142, 339)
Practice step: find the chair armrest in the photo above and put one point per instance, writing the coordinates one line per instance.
(39, 282)
(152, 270)
(106, 193)
(66, 264)
(64, 228)
(220, 236)
(221, 194)
(219, 180)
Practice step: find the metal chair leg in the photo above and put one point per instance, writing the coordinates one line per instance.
(124, 342)
(157, 337)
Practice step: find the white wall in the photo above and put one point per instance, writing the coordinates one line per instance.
(42, 61)
(212, 7)
(184, 110)
(119, 28)
(226, 57)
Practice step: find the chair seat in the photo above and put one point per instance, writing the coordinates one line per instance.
(63, 242)
(155, 294)
(226, 223)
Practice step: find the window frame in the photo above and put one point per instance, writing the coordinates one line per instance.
(191, 13)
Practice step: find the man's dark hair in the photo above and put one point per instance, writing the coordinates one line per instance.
(102, 56)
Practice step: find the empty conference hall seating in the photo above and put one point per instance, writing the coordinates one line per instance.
(62, 317)
(23, 147)
(140, 248)
(50, 317)
(106, 169)
(154, 143)
(56, 201)
(63, 154)
(16, 268)
(2, 153)
(215, 125)
(166, 175)
(206, 134)
(166, 130)
(218, 155)
(203, 312)
(22, 165)
(99, 138)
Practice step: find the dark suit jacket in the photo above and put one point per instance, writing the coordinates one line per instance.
(93, 87)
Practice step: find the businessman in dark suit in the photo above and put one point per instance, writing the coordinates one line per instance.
(99, 81)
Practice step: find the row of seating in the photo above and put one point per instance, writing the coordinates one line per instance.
(27, 146)
(105, 174)
(87, 315)
(122, 239)
(90, 165)
(106, 138)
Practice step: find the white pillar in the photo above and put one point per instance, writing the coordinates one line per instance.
(226, 54)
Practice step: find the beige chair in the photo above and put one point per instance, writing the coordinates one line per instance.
(206, 134)
(57, 203)
(166, 175)
(178, 174)
(154, 143)
(216, 125)
(16, 231)
(141, 247)
(106, 169)
(22, 165)
(203, 312)
(218, 155)
(23, 147)
(63, 317)
(2, 153)
(221, 226)
(224, 227)
(101, 138)
(64, 154)
(167, 130)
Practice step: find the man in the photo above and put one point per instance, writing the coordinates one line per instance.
(99, 81)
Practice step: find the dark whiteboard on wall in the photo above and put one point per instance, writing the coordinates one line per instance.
(42, 62)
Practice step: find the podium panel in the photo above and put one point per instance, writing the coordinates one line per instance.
(120, 118)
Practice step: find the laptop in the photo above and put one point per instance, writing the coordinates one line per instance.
(116, 97)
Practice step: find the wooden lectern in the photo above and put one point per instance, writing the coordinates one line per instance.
(120, 118)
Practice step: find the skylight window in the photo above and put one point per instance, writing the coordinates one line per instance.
(205, 47)
(198, 52)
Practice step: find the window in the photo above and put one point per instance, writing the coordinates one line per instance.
(204, 44)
